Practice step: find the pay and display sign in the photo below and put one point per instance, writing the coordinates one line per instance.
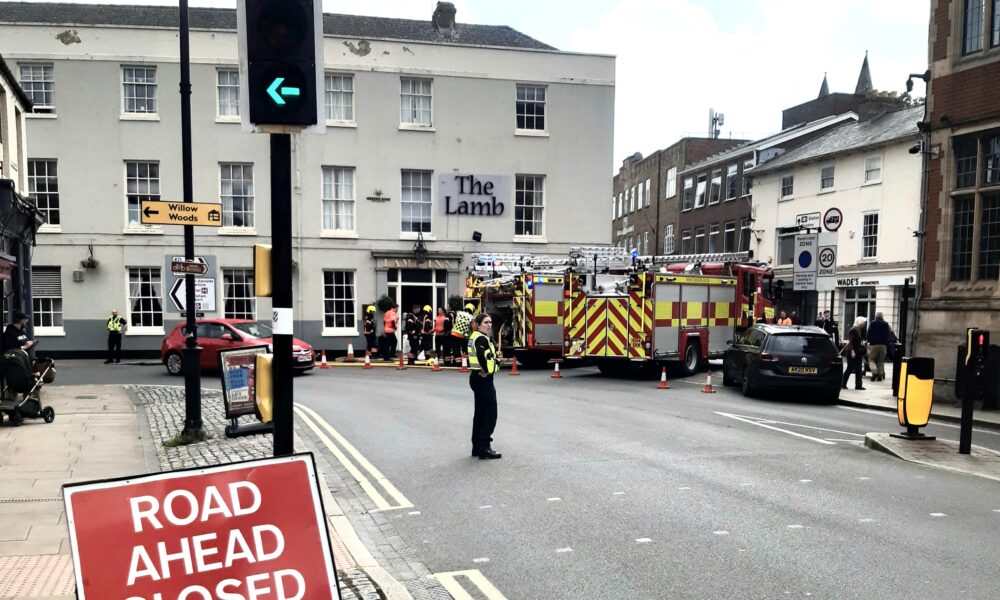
(246, 531)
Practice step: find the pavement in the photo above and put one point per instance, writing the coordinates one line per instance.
(105, 431)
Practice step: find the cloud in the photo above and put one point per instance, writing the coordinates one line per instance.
(677, 58)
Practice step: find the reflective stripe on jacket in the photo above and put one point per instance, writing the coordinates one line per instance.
(116, 324)
(492, 366)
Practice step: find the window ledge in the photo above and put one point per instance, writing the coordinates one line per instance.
(137, 331)
(237, 231)
(867, 183)
(344, 124)
(714, 203)
(870, 260)
(696, 206)
(46, 228)
(40, 115)
(539, 133)
(413, 127)
(827, 191)
(338, 234)
(237, 120)
(408, 235)
(49, 332)
(529, 239)
(143, 230)
(729, 199)
(786, 198)
(139, 117)
(686, 210)
(340, 332)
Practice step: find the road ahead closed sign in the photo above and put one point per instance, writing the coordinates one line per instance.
(253, 530)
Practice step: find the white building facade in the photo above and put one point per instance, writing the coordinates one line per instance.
(867, 173)
(419, 119)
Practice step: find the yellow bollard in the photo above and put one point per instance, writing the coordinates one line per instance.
(915, 396)
(263, 383)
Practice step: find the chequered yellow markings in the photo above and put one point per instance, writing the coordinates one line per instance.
(617, 344)
(693, 314)
(547, 312)
(597, 326)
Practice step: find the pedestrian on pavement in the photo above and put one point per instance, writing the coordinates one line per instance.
(784, 320)
(819, 319)
(483, 364)
(853, 351)
(427, 332)
(116, 329)
(794, 317)
(389, 323)
(879, 338)
(369, 328)
(411, 327)
(15, 336)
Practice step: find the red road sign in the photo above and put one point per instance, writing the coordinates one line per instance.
(247, 530)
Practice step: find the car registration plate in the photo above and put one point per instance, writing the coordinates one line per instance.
(802, 370)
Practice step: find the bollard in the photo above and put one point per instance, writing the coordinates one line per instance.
(897, 362)
(916, 394)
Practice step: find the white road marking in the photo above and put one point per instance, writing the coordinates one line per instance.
(450, 583)
(721, 532)
(845, 441)
(311, 419)
(481, 560)
(746, 484)
(413, 513)
(753, 421)
(643, 540)
(617, 493)
(866, 520)
(862, 478)
(486, 506)
(938, 515)
(563, 550)
(795, 526)
(683, 488)
(895, 417)
(805, 481)
(553, 499)
(996, 510)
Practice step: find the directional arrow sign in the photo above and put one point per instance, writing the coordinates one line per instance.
(204, 294)
(205, 214)
(276, 92)
(184, 266)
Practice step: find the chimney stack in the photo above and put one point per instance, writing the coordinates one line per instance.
(444, 17)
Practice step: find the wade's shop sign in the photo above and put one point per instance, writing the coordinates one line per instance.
(474, 195)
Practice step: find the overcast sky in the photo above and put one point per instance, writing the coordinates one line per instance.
(748, 59)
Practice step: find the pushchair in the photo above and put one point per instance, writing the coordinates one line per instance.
(22, 387)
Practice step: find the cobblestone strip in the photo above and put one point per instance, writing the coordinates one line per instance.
(164, 410)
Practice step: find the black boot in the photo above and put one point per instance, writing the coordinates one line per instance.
(489, 453)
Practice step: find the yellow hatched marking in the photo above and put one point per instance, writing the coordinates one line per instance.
(311, 419)
(618, 340)
(450, 583)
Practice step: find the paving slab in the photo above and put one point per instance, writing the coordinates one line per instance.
(941, 454)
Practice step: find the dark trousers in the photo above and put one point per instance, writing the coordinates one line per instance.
(854, 365)
(484, 419)
(114, 346)
(440, 345)
(372, 346)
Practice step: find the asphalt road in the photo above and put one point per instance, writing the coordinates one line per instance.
(614, 489)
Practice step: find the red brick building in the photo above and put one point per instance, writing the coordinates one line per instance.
(959, 283)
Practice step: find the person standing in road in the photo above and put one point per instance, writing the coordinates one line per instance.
(427, 332)
(412, 329)
(879, 337)
(854, 352)
(369, 329)
(483, 364)
(14, 336)
(116, 329)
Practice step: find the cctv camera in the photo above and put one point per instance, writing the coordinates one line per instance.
(915, 149)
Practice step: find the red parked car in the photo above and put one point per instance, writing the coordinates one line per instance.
(223, 334)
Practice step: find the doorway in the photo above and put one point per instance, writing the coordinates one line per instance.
(421, 287)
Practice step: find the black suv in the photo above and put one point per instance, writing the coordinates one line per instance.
(773, 357)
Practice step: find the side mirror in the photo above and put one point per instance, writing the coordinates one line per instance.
(227, 336)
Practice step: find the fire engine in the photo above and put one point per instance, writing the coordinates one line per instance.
(667, 308)
(534, 298)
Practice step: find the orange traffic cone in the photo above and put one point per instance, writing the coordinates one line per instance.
(436, 367)
(708, 384)
(555, 372)
(350, 352)
(401, 366)
(368, 360)
(465, 364)
(513, 367)
(322, 360)
(663, 380)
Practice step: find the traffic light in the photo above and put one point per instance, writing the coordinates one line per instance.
(280, 42)
(262, 271)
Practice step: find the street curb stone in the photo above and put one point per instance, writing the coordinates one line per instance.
(938, 454)
(946, 418)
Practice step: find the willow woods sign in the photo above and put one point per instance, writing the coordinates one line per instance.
(474, 195)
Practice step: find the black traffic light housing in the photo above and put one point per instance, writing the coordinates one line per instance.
(281, 73)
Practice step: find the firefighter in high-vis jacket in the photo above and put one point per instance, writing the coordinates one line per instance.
(483, 365)
(427, 331)
(369, 325)
(411, 327)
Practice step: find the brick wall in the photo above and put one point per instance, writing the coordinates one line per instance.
(966, 96)
(940, 29)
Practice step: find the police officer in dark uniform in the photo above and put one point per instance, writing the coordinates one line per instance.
(483, 365)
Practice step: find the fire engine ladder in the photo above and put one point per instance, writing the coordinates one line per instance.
(605, 257)
(723, 257)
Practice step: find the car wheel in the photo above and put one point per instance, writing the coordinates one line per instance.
(727, 381)
(691, 360)
(748, 389)
(174, 363)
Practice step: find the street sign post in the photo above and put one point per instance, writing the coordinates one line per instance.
(804, 267)
(826, 266)
(245, 530)
(204, 284)
(158, 212)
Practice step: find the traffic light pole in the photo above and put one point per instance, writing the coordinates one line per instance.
(193, 429)
(281, 292)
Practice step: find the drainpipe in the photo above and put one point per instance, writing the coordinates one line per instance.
(656, 204)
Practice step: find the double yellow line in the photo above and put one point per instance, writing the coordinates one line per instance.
(359, 466)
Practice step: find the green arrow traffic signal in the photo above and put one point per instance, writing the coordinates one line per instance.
(275, 91)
